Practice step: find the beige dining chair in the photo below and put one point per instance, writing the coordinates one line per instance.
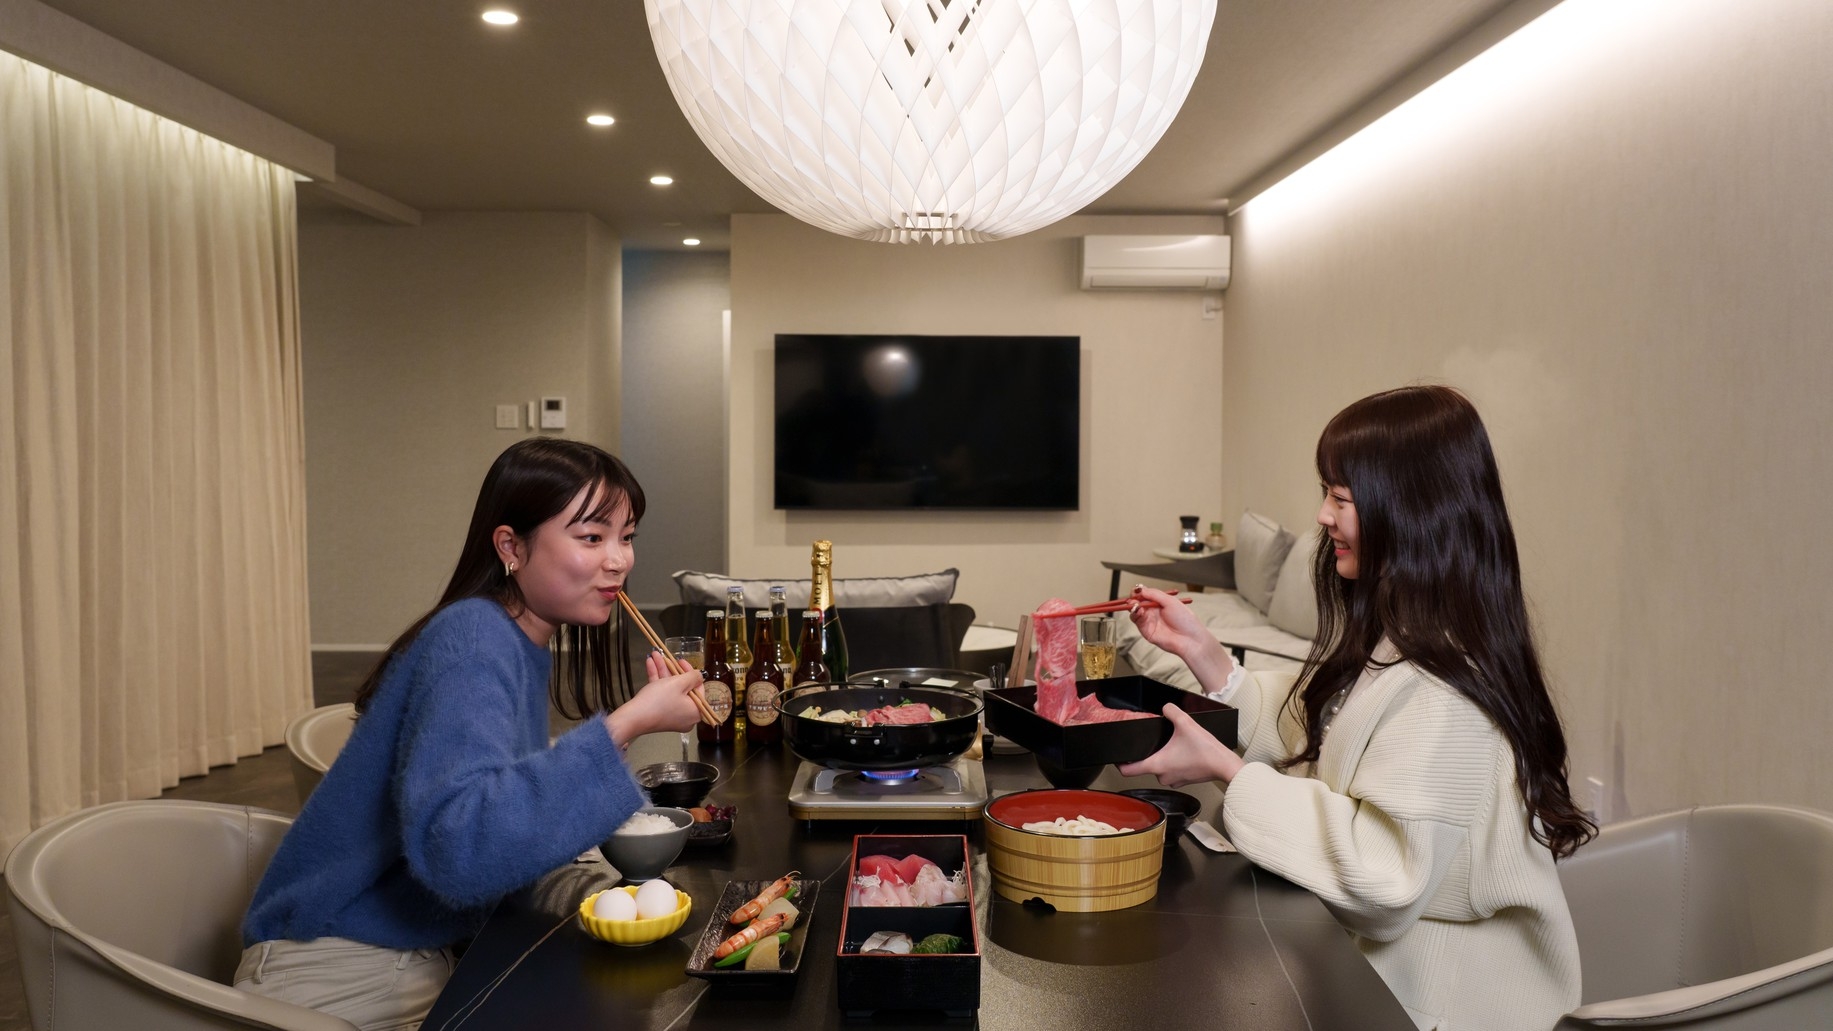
(1718, 917)
(313, 740)
(129, 915)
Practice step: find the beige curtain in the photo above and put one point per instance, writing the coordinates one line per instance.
(152, 485)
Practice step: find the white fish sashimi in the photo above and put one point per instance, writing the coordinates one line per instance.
(933, 888)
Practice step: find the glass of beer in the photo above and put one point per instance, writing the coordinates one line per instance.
(690, 650)
(1098, 642)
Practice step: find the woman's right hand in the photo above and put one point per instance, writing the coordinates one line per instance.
(665, 703)
(1171, 625)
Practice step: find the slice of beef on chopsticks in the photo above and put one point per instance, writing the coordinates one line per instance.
(1090, 710)
(1056, 662)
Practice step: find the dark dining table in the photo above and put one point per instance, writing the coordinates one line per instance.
(1222, 945)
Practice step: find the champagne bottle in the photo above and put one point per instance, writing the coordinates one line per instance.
(833, 638)
(762, 686)
(738, 653)
(717, 682)
(809, 667)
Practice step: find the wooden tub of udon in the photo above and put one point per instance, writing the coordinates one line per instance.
(1083, 874)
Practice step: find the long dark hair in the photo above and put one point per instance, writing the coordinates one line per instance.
(1438, 575)
(528, 484)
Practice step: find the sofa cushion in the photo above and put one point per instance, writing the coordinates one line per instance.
(864, 592)
(1261, 545)
(1294, 606)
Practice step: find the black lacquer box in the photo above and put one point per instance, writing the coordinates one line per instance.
(949, 982)
(1011, 712)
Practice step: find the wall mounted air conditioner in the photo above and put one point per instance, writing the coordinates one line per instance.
(1154, 262)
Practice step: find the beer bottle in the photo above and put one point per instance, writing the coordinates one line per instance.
(717, 682)
(779, 626)
(738, 653)
(809, 667)
(762, 686)
(833, 638)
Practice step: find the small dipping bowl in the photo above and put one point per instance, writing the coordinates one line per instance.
(1179, 808)
(634, 932)
(643, 857)
(682, 785)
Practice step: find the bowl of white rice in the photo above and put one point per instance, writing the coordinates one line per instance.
(1079, 850)
(647, 842)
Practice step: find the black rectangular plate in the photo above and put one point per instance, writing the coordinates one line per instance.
(736, 894)
(1011, 712)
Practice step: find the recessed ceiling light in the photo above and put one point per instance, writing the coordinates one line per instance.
(660, 180)
(692, 241)
(498, 16)
(600, 120)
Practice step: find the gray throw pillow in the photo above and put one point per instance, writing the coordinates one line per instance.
(864, 592)
(1294, 606)
(1261, 545)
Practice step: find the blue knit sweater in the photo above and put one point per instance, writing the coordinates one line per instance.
(446, 798)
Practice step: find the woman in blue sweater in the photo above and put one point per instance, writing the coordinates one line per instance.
(448, 796)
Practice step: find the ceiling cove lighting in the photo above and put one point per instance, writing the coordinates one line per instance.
(661, 180)
(498, 16)
(692, 241)
(1569, 54)
(945, 121)
(600, 120)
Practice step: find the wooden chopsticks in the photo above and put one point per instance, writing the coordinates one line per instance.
(669, 662)
(1117, 605)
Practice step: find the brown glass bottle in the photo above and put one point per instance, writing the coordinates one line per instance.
(717, 682)
(764, 682)
(809, 667)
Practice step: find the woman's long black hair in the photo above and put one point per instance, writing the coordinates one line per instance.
(1439, 577)
(532, 481)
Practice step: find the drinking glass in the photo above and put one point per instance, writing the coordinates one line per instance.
(1098, 642)
(691, 650)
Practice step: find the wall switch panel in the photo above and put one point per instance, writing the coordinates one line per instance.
(508, 417)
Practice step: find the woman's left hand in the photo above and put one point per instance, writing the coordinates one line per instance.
(1193, 754)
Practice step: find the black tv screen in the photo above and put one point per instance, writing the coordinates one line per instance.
(905, 422)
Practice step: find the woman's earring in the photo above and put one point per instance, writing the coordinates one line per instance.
(509, 568)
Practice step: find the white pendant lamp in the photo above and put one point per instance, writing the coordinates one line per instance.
(950, 121)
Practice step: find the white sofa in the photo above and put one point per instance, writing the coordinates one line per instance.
(1267, 620)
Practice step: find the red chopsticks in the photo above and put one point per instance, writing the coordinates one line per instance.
(1117, 605)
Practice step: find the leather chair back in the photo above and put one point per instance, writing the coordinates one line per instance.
(1715, 917)
(313, 740)
(899, 636)
(130, 914)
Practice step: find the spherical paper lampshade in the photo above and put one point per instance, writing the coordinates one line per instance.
(949, 121)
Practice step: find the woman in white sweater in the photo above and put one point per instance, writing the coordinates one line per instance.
(1413, 774)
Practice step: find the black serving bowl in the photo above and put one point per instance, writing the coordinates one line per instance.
(680, 785)
(1179, 808)
(902, 746)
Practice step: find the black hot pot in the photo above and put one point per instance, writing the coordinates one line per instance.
(903, 746)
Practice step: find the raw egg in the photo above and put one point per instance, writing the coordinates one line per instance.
(614, 905)
(655, 898)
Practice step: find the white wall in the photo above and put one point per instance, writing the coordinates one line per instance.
(673, 412)
(1618, 243)
(412, 336)
(1151, 410)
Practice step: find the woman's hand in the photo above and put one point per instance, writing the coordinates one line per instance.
(1171, 625)
(1193, 754)
(665, 703)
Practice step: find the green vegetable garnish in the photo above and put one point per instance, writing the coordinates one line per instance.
(738, 956)
(939, 943)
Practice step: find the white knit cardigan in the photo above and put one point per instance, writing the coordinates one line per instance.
(1412, 831)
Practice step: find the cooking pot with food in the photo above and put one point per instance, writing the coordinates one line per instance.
(843, 744)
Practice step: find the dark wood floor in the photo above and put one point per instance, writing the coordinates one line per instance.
(265, 780)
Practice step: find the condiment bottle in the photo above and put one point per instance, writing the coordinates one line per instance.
(717, 682)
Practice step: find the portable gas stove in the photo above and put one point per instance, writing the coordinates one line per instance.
(955, 790)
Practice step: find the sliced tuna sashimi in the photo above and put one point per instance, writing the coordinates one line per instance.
(1056, 661)
(884, 868)
(912, 866)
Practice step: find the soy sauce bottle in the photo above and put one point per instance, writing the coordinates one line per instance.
(718, 683)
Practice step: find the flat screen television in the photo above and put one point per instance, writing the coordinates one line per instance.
(927, 422)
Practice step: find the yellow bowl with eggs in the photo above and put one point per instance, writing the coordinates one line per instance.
(642, 931)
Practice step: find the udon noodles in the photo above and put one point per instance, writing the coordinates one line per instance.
(1080, 827)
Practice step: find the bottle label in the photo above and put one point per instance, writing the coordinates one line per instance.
(718, 698)
(760, 702)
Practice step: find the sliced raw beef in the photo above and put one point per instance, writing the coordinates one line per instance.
(1090, 710)
(1056, 661)
(899, 714)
